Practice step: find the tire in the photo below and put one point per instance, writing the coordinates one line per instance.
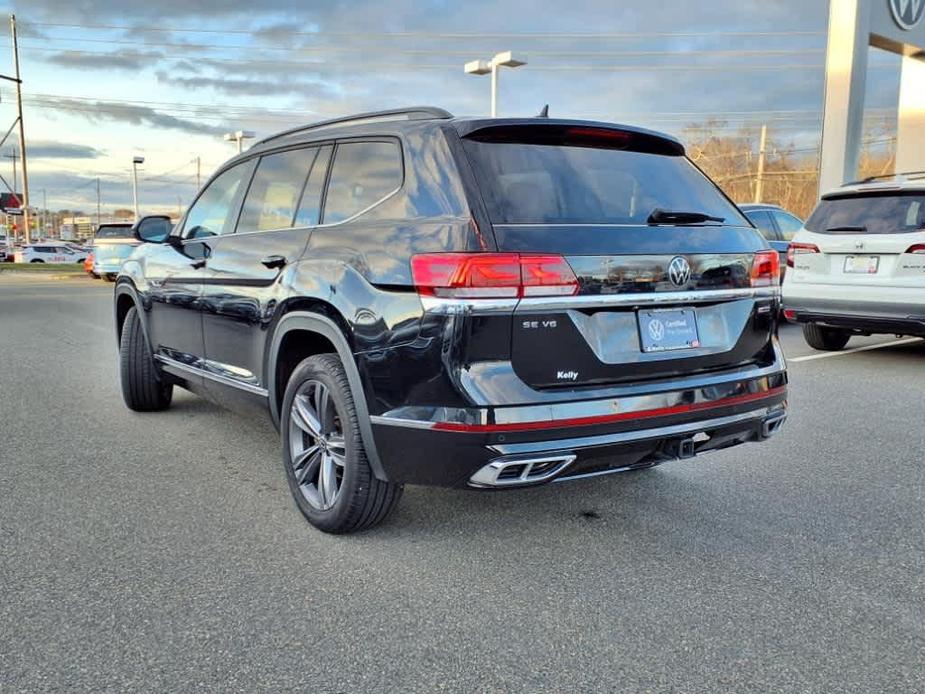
(825, 339)
(109, 277)
(360, 500)
(142, 388)
(36, 260)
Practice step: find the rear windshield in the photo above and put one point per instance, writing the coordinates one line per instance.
(116, 250)
(556, 184)
(881, 213)
(114, 232)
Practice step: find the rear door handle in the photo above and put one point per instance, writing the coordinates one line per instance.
(198, 264)
(272, 261)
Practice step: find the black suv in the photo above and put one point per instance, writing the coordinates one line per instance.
(491, 303)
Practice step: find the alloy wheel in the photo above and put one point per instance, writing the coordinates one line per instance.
(317, 445)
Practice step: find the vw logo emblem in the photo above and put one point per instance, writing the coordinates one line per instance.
(656, 330)
(907, 13)
(859, 245)
(679, 270)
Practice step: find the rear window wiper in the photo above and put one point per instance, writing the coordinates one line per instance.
(660, 216)
(847, 227)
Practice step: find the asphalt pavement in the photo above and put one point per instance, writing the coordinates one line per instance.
(162, 552)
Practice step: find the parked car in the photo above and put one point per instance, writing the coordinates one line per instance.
(858, 266)
(49, 253)
(776, 224)
(112, 243)
(109, 254)
(483, 303)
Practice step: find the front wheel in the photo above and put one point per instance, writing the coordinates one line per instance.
(326, 466)
(142, 388)
(36, 260)
(825, 339)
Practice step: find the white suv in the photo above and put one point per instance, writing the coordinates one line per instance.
(49, 253)
(858, 265)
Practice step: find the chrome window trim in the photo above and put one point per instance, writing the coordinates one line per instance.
(196, 371)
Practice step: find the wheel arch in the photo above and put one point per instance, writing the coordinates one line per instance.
(324, 332)
(127, 298)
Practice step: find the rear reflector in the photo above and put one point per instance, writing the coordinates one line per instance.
(790, 314)
(765, 269)
(492, 275)
(917, 248)
(795, 248)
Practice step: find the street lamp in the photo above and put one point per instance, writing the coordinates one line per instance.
(239, 136)
(485, 67)
(135, 162)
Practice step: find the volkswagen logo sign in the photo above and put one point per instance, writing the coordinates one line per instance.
(907, 13)
(656, 330)
(679, 270)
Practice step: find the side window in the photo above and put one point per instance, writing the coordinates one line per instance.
(213, 213)
(363, 173)
(274, 192)
(762, 220)
(310, 207)
(787, 223)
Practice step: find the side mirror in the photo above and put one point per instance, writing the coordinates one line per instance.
(153, 229)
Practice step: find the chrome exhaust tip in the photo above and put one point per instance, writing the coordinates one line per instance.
(514, 472)
(772, 424)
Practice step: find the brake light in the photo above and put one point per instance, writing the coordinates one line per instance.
(795, 248)
(765, 269)
(917, 249)
(492, 275)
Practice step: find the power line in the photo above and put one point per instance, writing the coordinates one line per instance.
(352, 48)
(441, 35)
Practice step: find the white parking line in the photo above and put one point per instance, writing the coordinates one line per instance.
(826, 355)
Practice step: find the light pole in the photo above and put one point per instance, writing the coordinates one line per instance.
(135, 162)
(485, 67)
(239, 136)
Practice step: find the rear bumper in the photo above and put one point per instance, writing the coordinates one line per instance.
(520, 446)
(884, 324)
(855, 302)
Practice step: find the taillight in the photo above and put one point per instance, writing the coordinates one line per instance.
(765, 269)
(795, 248)
(492, 275)
(918, 248)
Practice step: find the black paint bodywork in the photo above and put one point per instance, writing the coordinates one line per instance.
(216, 317)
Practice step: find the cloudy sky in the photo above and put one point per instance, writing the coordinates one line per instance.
(105, 80)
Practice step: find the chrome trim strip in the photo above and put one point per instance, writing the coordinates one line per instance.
(549, 447)
(452, 307)
(195, 371)
(547, 303)
(397, 422)
(448, 306)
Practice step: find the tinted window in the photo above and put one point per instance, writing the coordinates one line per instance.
(762, 220)
(552, 184)
(213, 212)
(274, 192)
(787, 223)
(363, 174)
(114, 231)
(310, 208)
(889, 213)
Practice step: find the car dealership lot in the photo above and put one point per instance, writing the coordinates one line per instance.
(164, 551)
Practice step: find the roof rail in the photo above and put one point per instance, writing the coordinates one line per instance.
(883, 177)
(410, 113)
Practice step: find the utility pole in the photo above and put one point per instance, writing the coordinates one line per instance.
(98, 218)
(198, 171)
(22, 132)
(762, 146)
(44, 217)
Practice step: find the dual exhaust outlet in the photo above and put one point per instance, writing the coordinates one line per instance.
(519, 471)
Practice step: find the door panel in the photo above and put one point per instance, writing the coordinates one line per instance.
(175, 289)
(244, 286)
